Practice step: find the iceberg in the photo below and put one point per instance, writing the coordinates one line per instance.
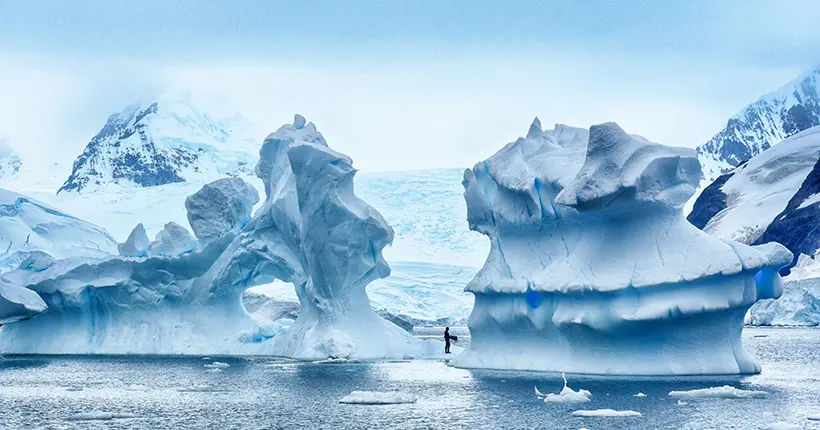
(592, 267)
(605, 413)
(136, 244)
(184, 296)
(724, 392)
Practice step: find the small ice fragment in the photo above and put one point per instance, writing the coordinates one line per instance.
(639, 395)
(74, 389)
(214, 370)
(606, 413)
(217, 365)
(568, 395)
(207, 358)
(98, 416)
(377, 398)
(682, 403)
(782, 425)
(724, 392)
(760, 335)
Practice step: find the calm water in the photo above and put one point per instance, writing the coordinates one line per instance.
(261, 393)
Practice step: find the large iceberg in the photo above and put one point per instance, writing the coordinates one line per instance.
(592, 267)
(312, 231)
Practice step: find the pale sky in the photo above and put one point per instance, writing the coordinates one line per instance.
(400, 85)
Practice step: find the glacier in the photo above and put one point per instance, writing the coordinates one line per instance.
(311, 231)
(593, 268)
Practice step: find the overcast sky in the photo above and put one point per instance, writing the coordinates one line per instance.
(401, 84)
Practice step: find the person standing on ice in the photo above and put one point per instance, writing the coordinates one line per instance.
(447, 338)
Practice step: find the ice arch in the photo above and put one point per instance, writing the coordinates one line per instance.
(311, 231)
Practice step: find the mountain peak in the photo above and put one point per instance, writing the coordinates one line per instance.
(762, 124)
(176, 136)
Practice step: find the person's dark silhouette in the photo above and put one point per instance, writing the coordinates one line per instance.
(447, 338)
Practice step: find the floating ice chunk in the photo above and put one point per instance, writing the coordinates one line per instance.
(136, 244)
(682, 403)
(74, 388)
(206, 358)
(568, 395)
(639, 395)
(99, 416)
(724, 392)
(377, 398)
(219, 207)
(606, 413)
(782, 425)
(214, 370)
(217, 365)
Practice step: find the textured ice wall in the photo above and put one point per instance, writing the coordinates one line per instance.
(592, 267)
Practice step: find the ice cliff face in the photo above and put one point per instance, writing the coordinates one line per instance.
(176, 137)
(311, 231)
(592, 267)
(762, 124)
(772, 197)
(28, 226)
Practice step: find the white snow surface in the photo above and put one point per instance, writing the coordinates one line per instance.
(311, 231)
(724, 392)
(760, 190)
(378, 398)
(605, 413)
(27, 226)
(589, 247)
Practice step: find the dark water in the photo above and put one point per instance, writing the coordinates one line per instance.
(262, 393)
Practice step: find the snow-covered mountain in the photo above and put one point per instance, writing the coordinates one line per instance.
(9, 160)
(175, 137)
(763, 124)
(774, 197)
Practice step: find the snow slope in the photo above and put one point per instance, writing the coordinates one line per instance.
(772, 197)
(591, 260)
(763, 124)
(27, 226)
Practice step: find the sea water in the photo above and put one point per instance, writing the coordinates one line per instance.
(136, 392)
